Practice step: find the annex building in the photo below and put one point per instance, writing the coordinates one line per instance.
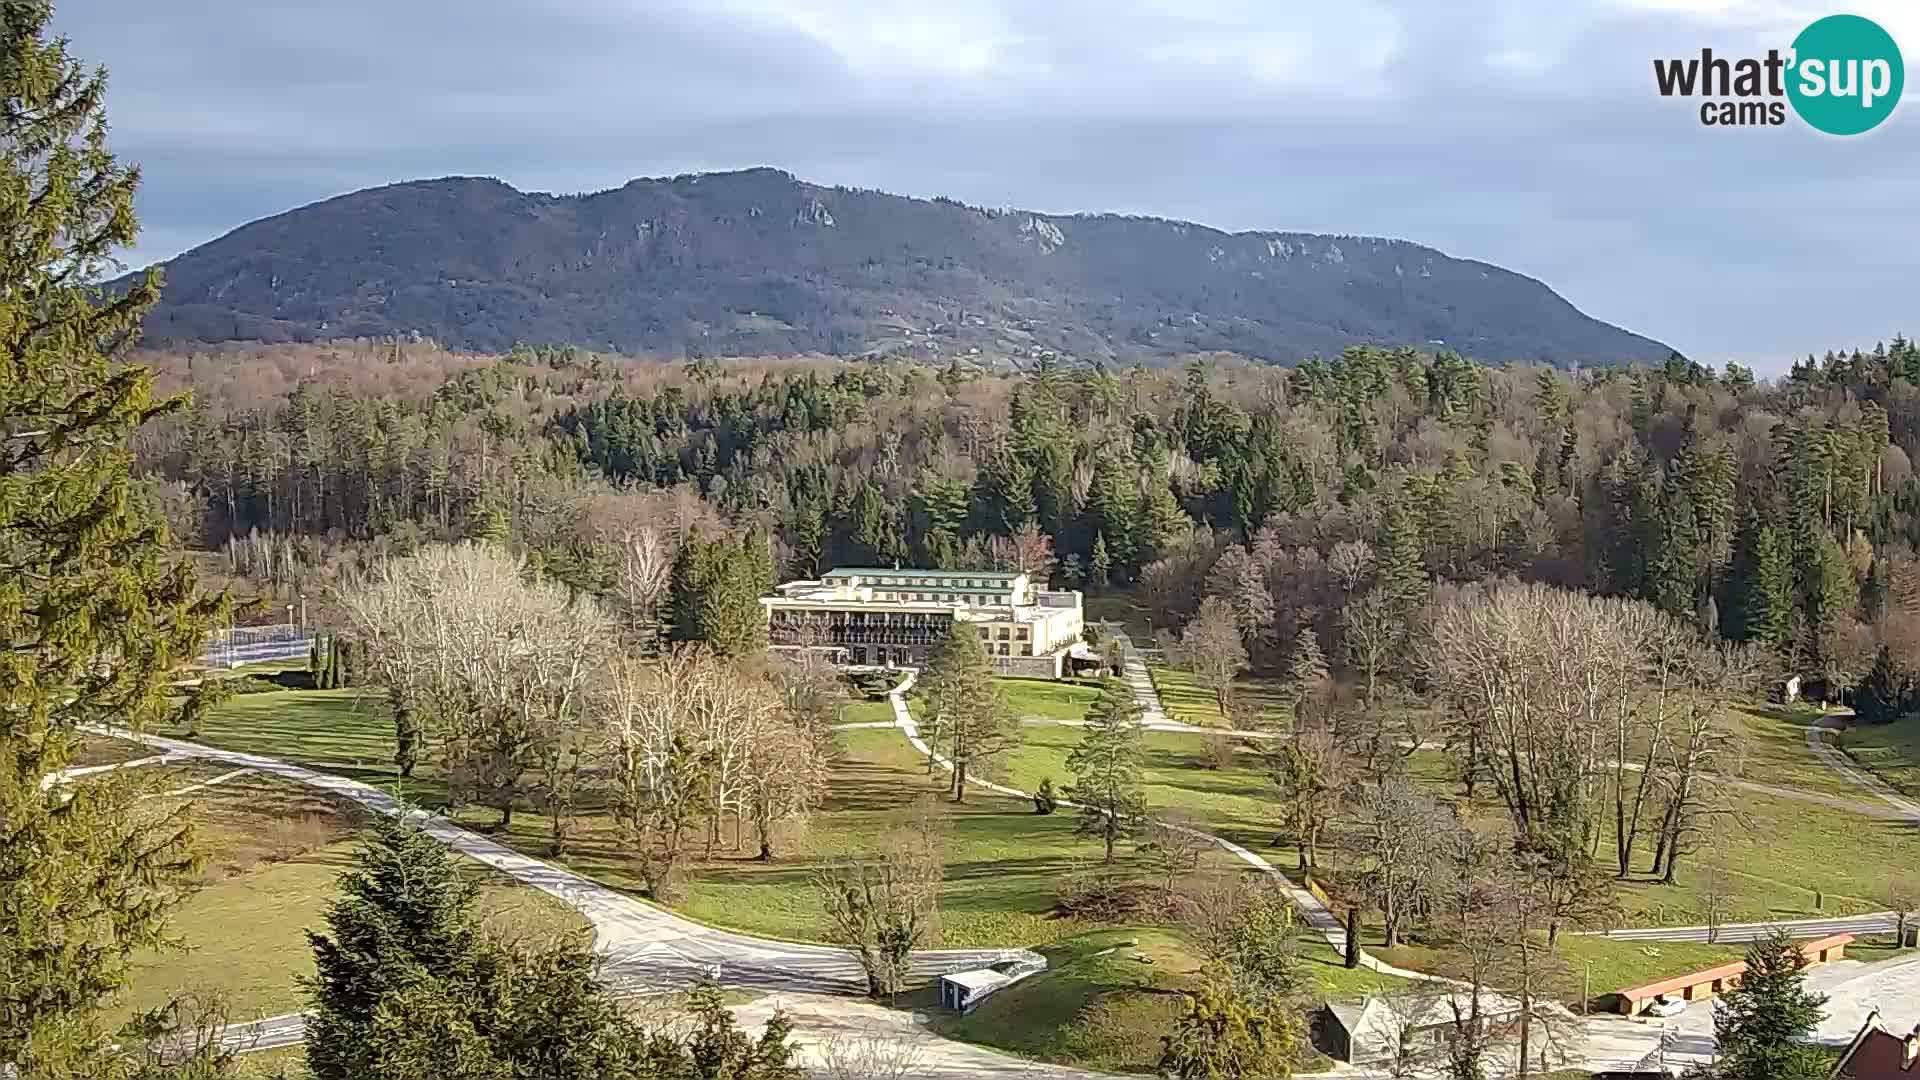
(865, 617)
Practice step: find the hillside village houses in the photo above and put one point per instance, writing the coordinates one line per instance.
(873, 617)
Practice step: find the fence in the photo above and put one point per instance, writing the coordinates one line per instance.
(251, 644)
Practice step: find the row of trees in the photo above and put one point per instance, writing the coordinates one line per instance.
(524, 694)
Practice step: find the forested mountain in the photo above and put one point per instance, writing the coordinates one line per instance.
(758, 262)
(1785, 514)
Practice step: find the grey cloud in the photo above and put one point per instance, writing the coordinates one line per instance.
(1520, 133)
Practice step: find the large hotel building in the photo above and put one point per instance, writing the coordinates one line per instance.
(891, 618)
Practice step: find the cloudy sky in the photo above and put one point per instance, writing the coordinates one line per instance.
(1522, 132)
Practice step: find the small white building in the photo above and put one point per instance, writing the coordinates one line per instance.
(1412, 1022)
(962, 990)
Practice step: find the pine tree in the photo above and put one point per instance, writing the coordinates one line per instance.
(714, 593)
(1762, 1023)
(487, 524)
(1106, 768)
(407, 984)
(1762, 585)
(1398, 568)
(1101, 564)
(95, 613)
(1882, 696)
(1828, 586)
(1221, 1034)
(1308, 676)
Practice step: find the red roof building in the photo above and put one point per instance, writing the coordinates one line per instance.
(1879, 1054)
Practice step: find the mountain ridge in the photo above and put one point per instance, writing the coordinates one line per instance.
(757, 261)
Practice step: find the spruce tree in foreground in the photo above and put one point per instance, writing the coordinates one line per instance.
(1763, 1022)
(409, 985)
(94, 614)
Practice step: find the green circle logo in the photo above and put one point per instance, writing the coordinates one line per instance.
(1846, 75)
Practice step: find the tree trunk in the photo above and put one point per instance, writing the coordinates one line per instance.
(506, 815)
(1108, 837)
(766, 849)
(1390, 907)
(960, 781)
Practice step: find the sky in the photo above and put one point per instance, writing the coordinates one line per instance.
(1525, 133)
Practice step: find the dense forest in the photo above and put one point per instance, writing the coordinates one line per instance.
(1784, 513)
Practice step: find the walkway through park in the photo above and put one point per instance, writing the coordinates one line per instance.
(650, 949)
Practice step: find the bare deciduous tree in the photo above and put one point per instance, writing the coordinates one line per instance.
(1903, 897)
(875, 1056)
(1716, 898)
(885, 904)
(1308, 770)
(643, 569)
(1403, 826)
(497, 665)
(1211, 648)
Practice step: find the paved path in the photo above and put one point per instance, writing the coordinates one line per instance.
(643, 944)
(1884, 803)
(1865, 781)
(1318, 916)
(1881, 922)
(68, 776)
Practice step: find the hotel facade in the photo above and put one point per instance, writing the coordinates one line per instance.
(875, 617)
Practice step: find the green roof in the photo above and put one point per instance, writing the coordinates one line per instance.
(865, 572)
(914, 586)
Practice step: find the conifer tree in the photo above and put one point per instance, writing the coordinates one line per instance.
(1762, 585)
(1101, 565)
(1399, 571)
(1883, 696)
(1106, 768)
(714, 593)
(967, 715)
(408, 985)
(95, 614)
(488, 525)
(1763, 1022)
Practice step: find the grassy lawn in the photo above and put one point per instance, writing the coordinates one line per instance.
(1891, 751)
(274, 849)
(863, 712)
(1614, 965)
(1120, 608)
(1780, 852)
(1048, 699)
(1775, 751)
(345, 732)
(1189, 702)
(1103, 1003)
(1003, 861)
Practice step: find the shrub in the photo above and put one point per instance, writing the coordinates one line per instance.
(1103, 897)
(1044, 800)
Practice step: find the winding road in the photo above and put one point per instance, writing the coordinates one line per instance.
(649, 949)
